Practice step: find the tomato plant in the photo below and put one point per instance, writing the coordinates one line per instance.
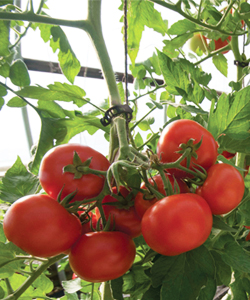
(41, 226)
(223, 188)
(53, 177)
(102, 256)
(177, 223)
(144, 201)
(124, 219)
(174, 139)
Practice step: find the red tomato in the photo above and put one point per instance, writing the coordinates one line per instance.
(223, 188)
(41, 226)
(102, 256)
(179, 132)
(177, 224)
(53, 179)
(220, 44)
(228, 155)
(141, 205)
(126, 220)
(74, 276)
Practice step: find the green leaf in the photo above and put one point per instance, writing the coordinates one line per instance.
(230, 121)
(4, 38)
(69, 64)
(19, 74)
(219, 224)
(181, 27)
(223, 270)
(2, 235)
(17, 182)
(116, 287)
(240, 286)
(220, 63)
(138, 140)
(3, 91)
(232, 253)
(1, 102)
(136, 282)
(57, 91)
(184, 274)
(171, 46)
(16, 102)
(138, 12)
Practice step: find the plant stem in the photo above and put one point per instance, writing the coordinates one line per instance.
(94, 29)
(107, 294)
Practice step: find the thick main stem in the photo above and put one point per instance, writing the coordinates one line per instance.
(95, 32)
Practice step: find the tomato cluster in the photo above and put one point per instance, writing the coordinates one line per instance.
(173, 209)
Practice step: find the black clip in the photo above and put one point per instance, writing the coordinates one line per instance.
(241, 64)
(115, 111)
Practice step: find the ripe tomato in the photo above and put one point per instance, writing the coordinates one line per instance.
(177, 224)
(126, 220)
(197, 41)
(101, 256)
(141, 205)
(41, 226)
(228, 155)
(179, 132)
(223, 188)
(220, 44)
(53, 179)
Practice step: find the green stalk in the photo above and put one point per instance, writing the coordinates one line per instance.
(240, 157)
(95, 32)
(106, 293)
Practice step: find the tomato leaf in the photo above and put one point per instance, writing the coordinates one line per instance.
(220, 63)
(19, 73)
(116, 287)
(184, 274)
(240, 286)
(219, 224)
(223, 270)
(229, 121)
(232, 253)
(69, 64)
(136, 282)
(138, 12)
(17, 182)
(57, 91)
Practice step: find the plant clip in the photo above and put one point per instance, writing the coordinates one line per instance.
(116, 110)
(242, 64)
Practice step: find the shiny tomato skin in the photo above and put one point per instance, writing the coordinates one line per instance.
(177, 224)
(180, 131)
(101, 256)
(141, 205)
(126, 220)
(41, 226)
(53, 179)
(223, 188)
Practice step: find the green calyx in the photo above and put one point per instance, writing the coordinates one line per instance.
(78, 168)
(194, 147)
